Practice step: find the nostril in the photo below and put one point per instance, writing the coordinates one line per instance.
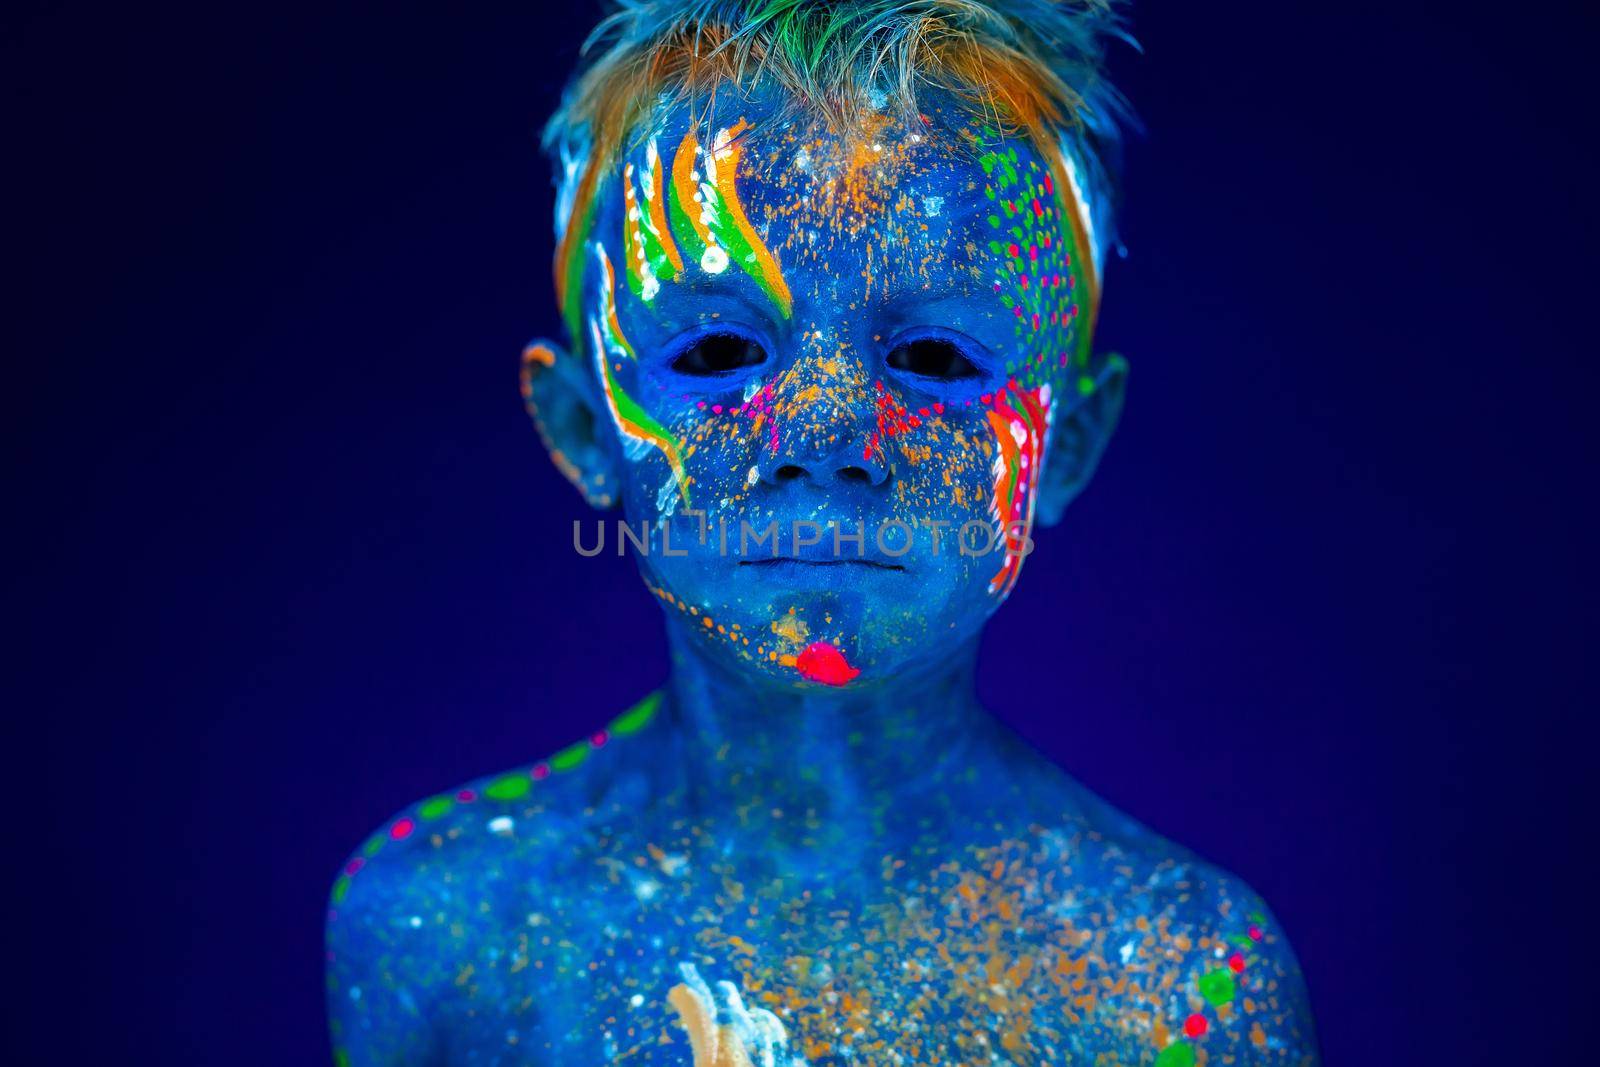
(788, 472)
(853, 474)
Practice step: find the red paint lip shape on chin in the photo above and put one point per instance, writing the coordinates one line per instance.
(821, 662)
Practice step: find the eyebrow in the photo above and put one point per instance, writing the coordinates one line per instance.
(716, 287)
(932, 294)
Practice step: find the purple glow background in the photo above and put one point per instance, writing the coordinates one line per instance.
(293, 556)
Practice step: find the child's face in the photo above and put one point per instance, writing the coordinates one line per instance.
(875, 332)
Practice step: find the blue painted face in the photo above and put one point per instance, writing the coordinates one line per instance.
(832, 365)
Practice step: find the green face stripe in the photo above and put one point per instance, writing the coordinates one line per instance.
(682, 228)
(631, 419)
(635, 718)
(652, 192)
(636, 421)
(631, 413)
(374, 843)
(656, 255)
(340, 888)
(732, 241)
(508, 787)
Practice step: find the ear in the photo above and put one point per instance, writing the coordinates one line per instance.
(559, 394)
(1084, 424)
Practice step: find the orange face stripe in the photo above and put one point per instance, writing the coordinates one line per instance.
(726, 186)
(658, 213)
(684, 186)
(609, 302)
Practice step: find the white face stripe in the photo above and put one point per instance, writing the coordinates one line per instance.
(573, 164)
(1081, 204)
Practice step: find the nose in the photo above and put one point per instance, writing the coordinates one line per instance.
(825, 416)
(845, 464)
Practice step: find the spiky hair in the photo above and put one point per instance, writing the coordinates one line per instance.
(1034, 66)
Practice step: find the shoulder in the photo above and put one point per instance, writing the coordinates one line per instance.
(1190, 952)
(1239, 982)
(430, 839)
(407, 911)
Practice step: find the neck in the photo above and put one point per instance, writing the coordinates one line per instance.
(808, 767)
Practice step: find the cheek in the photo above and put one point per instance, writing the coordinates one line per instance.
(941, 456)
(1021, 419)
(977, 466)
(725, 440)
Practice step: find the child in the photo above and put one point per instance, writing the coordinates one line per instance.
(830, 274)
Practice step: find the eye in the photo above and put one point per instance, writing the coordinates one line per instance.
(718, 353)
(932, 357)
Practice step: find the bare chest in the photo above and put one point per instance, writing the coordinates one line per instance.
(1024, 950)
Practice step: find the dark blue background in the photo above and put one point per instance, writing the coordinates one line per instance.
(293, 558)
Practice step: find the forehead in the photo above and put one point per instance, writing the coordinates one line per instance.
(895, 208)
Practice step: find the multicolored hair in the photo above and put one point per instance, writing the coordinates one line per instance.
(1034, 66)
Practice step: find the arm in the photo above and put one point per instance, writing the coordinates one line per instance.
(378, 977)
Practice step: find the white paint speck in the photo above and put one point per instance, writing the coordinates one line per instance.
(667, 496)
(714, 261)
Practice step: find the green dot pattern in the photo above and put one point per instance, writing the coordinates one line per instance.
(435, 807)
(508, 787)
(1177, 1054)
(1217, 987)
